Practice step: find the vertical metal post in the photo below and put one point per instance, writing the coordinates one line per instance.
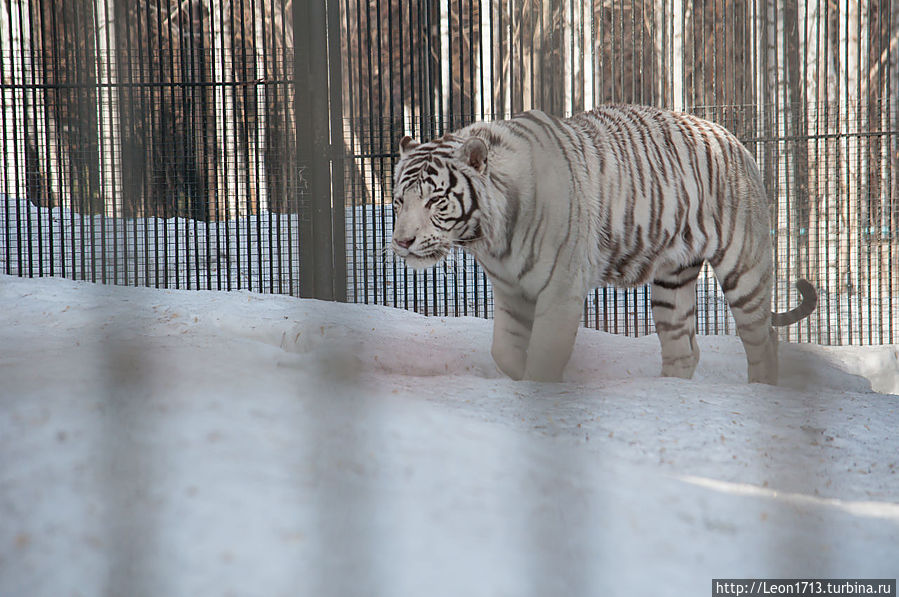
(319, 118)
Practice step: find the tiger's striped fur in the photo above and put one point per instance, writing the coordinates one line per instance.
(621, 195)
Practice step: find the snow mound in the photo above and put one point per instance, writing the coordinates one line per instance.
(191, 443)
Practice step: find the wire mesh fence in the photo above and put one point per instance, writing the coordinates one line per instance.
(810, 88)
(155, 142)
(149, 143)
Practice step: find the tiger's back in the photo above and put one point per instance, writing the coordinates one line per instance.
(621, 195)
(644, 186)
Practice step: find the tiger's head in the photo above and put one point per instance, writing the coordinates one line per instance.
(436, 194)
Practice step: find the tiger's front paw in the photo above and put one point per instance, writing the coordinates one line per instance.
(545, 366)
(543, 375)
(544, 370)
(682, 367)
(510, 361)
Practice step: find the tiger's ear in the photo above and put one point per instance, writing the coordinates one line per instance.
(474, 153)
(407, 144)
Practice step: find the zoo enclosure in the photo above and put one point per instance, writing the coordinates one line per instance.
(812, 89)
(246, 144)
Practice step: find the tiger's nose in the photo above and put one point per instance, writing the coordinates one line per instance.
(405, 242)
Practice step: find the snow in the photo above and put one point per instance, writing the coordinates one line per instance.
(259, 252)
(160, 442)
(252, 252)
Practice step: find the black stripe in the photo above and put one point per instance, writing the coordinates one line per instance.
(518, 334)
(495, 277)
(682, 277)
(551, 128)
(739, 303)
(687, 331)
(518, 318)
(661, 304)
(472, 195)
(671, 285)
(665, 326)
(761, 342)
(510, 192)
(671, 361)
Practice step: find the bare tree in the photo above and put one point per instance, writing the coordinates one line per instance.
(108, 130)
(258, 144)
(34, 162)
(796, 129)
(280, 141)
(678, 18)
(891, 161)
(16, 46)
(853, 27)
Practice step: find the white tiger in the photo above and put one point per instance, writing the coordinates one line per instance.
(622, 195)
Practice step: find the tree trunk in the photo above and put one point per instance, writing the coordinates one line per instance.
(849, 117)
(230, 184)
(442, 98)
(568, 59)
(797, 129)
(15, 49)
(258, 144)
(892, 159)
(678, 19)
(108, 130)
(485, 64)
(661, 38)
(588, 48)
(32, 164)
(767, 106)
(815, 85)
(280, 144)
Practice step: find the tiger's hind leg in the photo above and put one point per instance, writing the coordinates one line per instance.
(747, 287)
(674, 310)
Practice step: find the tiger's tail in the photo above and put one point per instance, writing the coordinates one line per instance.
(805, 308)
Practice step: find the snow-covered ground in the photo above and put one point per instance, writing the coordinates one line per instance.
(261, 252)
(203, 443)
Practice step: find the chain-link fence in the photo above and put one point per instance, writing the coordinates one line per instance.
(149, 143)
(156, 143)
(812, 89)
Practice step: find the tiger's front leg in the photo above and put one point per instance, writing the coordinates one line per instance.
(552, 338)
(513, 317)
